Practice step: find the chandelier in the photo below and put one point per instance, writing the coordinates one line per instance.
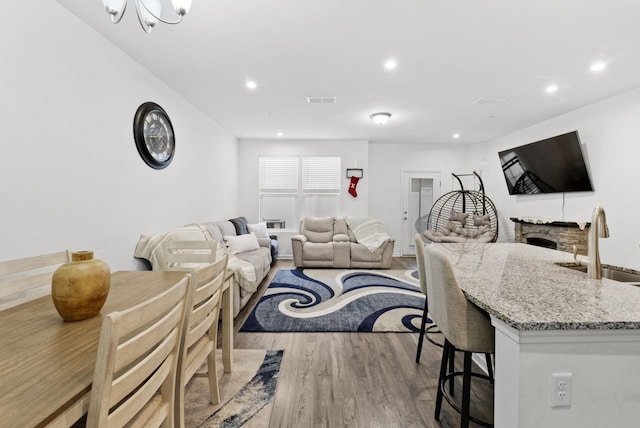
(149, 11)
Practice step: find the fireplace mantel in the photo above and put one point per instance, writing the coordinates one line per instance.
(561, 235)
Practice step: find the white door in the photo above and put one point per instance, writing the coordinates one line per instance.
(420, 189)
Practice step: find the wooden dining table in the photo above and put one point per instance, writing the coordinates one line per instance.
(46, 364)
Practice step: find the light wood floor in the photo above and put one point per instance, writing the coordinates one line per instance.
(356, 379)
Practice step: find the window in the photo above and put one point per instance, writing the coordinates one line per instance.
(278, 178)
(321, 186)
(292, 187)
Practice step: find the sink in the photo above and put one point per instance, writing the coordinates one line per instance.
(610, 272)
(572, 266)
(620, 275)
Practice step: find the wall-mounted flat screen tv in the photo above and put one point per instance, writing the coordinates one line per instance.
(552, 165)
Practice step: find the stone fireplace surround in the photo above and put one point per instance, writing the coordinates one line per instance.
(559, 235)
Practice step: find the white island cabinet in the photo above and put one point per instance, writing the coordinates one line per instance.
(551, 320)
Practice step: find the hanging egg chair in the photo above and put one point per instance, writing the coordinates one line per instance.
(463, 215)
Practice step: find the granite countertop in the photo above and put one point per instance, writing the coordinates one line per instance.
(522, 286)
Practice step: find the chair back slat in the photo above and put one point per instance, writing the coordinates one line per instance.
(25, 279)
(188, 255)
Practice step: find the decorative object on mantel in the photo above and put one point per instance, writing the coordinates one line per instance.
(355, 174)
(80, 287)
(149, 11)
(462, 215)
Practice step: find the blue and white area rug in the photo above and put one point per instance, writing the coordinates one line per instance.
(246, 394)
(333, 300)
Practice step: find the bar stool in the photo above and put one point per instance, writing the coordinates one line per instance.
(424, 332)
(465, 327)
(422, 276)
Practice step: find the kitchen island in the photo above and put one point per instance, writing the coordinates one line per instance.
(553, 320)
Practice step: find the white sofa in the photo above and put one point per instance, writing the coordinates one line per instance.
(249, 267)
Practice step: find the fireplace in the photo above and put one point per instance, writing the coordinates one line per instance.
(557, 235)
(542, 242)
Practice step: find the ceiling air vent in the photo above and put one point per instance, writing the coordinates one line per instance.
(490, 100)
(322, 100)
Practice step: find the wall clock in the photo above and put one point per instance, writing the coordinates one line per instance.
(153, 133)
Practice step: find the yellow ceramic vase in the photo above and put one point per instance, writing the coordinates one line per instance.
(80, 287)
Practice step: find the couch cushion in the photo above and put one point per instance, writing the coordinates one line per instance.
(226, 228)
(319, 230)
(340, 226)
(214, 230)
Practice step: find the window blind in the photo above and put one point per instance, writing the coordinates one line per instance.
(278, 174)
(321, 174)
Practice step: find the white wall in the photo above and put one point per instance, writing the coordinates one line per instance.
(610, 133)
(354, 154)
(386, 163)
(71, 176)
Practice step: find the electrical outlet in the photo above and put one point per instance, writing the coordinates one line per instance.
(561, 389)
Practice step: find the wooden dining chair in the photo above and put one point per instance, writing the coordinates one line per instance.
(136, 370)
(200, 337)
(188, 255)
(25, 279)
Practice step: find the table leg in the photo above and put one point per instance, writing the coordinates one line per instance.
(227, 325)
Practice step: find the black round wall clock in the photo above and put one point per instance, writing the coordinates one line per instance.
(153, 133)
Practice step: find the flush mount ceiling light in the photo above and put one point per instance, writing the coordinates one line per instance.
(380, 118)
(149, 11)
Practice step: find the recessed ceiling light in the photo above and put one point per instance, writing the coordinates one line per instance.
(390, 64)
(251, 84)
(456, 135)
(279, 134)
(598, 66)
(551, 89)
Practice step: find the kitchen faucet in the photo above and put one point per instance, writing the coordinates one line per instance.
(598, 229)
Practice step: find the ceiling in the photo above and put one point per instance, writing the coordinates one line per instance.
(478, 68)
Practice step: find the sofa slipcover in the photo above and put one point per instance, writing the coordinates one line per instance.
(249, 268)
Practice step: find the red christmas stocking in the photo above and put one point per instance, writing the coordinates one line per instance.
(352, 186)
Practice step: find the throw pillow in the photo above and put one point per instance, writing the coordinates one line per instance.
(259, 229)
(481, 220)
(459, 217)
(242, 243)
(240, 224)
